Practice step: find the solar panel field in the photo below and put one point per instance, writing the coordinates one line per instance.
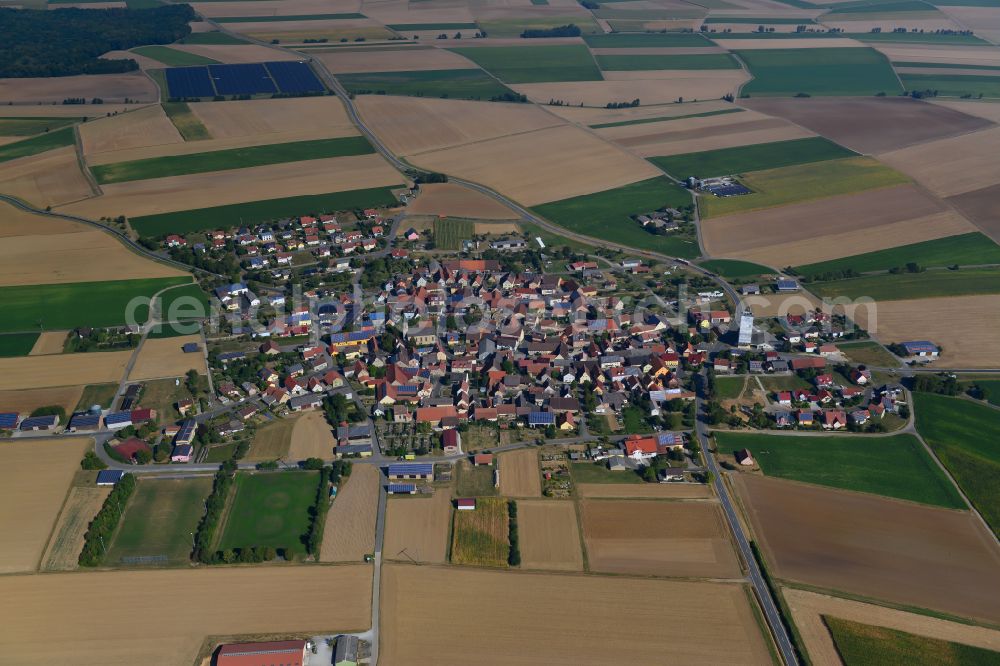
(289, 78)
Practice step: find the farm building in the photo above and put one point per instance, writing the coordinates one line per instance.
(451, 441)
(482, 459)
(541, 419)
(921, 348)
(290, 653)
(40, 422)
(401, 489)
(786, 285)
(118, 420)
(8, 420)
(743, 457)
(84, 422)
(109, 477)
(186, 433)
(421, 471)
(360, 450)
(181, 453)
(346, 651)
(466, 503)
(191, 348)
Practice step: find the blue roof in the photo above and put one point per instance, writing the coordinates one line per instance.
(411, 468)
(115, 418)
(401, 488)
(541, 418)
(109, 476)
(84, 420)
(183, 449)
(186, 431)
(920, 345)
(36, 421)
(353, 336)
(231, 356)
(8, 420)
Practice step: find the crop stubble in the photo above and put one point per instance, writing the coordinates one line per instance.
(349, 532)
(62, 370)
(519, 475)
(548, 535)
(163, 357)
(416, 528)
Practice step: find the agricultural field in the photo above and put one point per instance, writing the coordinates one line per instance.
(657, 538)
(642, 490)
(647, 40)
(954, 85)
(457, 83)
(658, 119)
(519, 474)
(30, 126)
(165, 358)
(929, 284)
(49, 342)
(349, 533)
(881, 546)
(46, 179)
(35, 477)
(535, 64)
(736, 269)
(473, 481)
(273, 440)
(66, 542)
(62, 370)
(417, 528)
(104, 138)
(966, 437)
(449, 233)
(97, 394)
(728, 161)
(17, 344)
(548, 535)
(38, 144)
(532, 606)
(895, 466)
(275, 120)
(312, 437)
(647, 62)
(159, 521)
(112, 88)
(507, 26)
(25, 401)
(480, 537)
(451, 200)
(172, 57)
(951, 166)
(861, 644)
(652, 88)
(868, 353)
(400, 59)
(270, 510)
(213, 601)
(819, 71)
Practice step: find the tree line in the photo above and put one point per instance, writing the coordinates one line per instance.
(95, 542)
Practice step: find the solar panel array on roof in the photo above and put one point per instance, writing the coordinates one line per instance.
(85, 421)
(733, 190)
(353, 336)
(8, 420)
(107, 477)
(39, 422)
(186, 432)
(294, 77)
(189, 82)
(118, 418)
(541, 418)
(401, 488)
(243, 79)
(411, 469)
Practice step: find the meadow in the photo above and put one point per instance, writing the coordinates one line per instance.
(270, 510)
(866, 645)
(66, 306)
(729, 388)
(190, 128)
(455, 83)
(868, 353)
(173, 57)
(733, 268)
(32, 126)
(17, 344)
(37, 144)
(896, 466)
(606, 214)
(199, 219)
(449, 233)
(638, 41)
(822, 71)
(178, 304)
(804, 182)
(588, 472)
(901, 286)
(970, 249)
(953, 86)
(535, 64)
(643, 121)
(213, 38)
(628, 63)
(97, 394)
(882, 6)
(480, 537)
(966, 438)
(758, 157)
(233, 158)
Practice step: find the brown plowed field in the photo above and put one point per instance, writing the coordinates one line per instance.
(519, 474)
(350, 524)
(658, 139)
(148, 126)
(450, 200)
(90, 610)
(532, 618)
(112, 88)
(25, 401)
(658, 538)
(47, 179)
(16, 222)
(339, 61)
(980, 108)
(548, 535)
(704, 84)
(34, 480)
(416, 528)
(163, 357)
(645, 490)
(889, 122)
(951, 166)
(312, 437)
(982, 207)
(62, 370)
(49, 342)
(875, 547)
(808, 609)
(81, 506)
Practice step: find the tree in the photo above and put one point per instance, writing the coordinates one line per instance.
(143, 456)
(91, 461)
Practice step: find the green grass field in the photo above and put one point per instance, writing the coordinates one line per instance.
(605, 215)
(734, 20)
(895, 466)
(775, 383)
(457, 83)
(159, 520)
(199, 219)
(970, 249)
(899, 286)
(786, 72)
(213, 37)
(890, 7)
(866, 645)
(17, 344)
(97, 394)
(534, 64)
(66, 306)
(190, 128)
(38, 144)
(33, 126)
(234, 158)
(300, 17)
(513, 27)
(945, 66)
(638, 41)
(627, 63)
(270, 510)
(868, 353)
(733, 268)
(590, 472)
(443, 27)
(449, 233)
(966, 437)
(991, 388)
(804, 182)
(953, 86)
(758, 157)
(173, 57)
(474, 481)
(729, 388)
(661, 119)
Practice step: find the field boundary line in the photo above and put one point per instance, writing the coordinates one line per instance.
(81, 161)
(55, 524)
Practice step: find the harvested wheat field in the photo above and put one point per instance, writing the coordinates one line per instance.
(703, 84)
(312, 437)
(890, 122)
(91, 609)
(163, 357)
(62, 370)
(982, 207)
(148, 126)
(339, 61)
(25, 401)
(780, 305)
(658, 538)
(64, 110)
(695, 134)
(17, 222)
(410, 125)
(645, 490)
(324, 117)
(416, 528)
(112, 88)
(951, 166)
(47, 179)
(349, 533)
(541, 166)
(934, 319)
(496, 228)
(834, 227)
(808, 609)
(450, 200)
(592, 116)
(66, 542)
(737, 44)
(49, 342)
(873, 546)
(143, 62)
(535, 618)
(218, 188)
(949, 55)
(272, 7)
(237, 53)
(87, 256)
(548, 535)
(519, 474)
(34, 478)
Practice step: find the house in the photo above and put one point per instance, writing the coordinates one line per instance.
(743, 457)
(921, 349)
(84, 422)
(482, 459)
(641, 448)
(466, 503)
(451, 441)
(834, 419)
(289, 653)
(307, 401)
